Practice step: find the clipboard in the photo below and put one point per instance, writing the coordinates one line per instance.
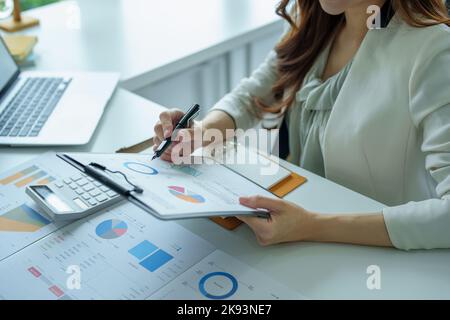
(280, 189)
(108, 172)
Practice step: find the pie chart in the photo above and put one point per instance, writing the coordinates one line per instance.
(140, 168)
(186, 195)
(111, 229)
(218, 285)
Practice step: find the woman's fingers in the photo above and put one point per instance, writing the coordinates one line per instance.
(184, 142)
(159, 131)
(188, 140)
(168, 120)
(174, 150)
(263, 229)
(260, 202)
(254, 222)
(166, 123)
(166, 157)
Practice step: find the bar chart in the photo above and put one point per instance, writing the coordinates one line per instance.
(26, 176)
(22, 219)
(21, 222)
(151, 257)
(145, 258)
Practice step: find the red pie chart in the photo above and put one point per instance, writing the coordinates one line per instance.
(186, 195)
(111, 229)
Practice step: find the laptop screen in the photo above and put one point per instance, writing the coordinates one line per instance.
(8, 67)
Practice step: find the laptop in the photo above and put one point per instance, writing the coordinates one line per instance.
(44, 109)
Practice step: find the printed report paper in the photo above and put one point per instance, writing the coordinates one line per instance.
(21, 222)
(181, 191)
(125, 253)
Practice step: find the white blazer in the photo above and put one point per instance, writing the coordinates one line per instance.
(388, 136)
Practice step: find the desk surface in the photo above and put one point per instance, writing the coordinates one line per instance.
(319, 271)
(127, 36)
(334, 271)
(316, 270)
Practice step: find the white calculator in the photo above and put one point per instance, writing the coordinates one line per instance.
(73, 198)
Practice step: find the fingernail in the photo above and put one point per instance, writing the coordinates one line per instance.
(166, 133)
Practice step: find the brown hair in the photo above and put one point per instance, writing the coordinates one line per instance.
(312, 29)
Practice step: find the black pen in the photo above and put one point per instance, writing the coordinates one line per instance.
(182, 124)
(98, 172)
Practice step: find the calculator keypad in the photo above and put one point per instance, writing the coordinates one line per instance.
(86, 192)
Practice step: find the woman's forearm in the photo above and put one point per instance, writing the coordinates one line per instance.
(361, 229)
(220, 120)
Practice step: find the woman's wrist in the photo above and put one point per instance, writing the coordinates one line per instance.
(217, 119)
(220, 122)
(309, 225)
(319, 226)
(362, 229)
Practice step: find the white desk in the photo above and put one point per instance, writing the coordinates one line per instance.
(316, 270)
(319, 271)
(332, 271)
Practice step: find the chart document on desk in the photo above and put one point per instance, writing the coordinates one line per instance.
(21, 222)
(124, 253)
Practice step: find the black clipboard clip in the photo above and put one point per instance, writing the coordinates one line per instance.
(98, 167)
(100, 173)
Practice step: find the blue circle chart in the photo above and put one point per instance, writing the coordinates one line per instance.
(111, 229)
(141, 168)
(202, 285)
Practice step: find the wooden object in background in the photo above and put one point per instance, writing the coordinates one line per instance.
(18, 22)
(20, 46)
(137, 148)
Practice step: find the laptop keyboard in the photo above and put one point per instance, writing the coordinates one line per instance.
(29, 110)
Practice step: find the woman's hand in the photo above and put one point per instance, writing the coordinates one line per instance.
(183, 143)
(288, 221)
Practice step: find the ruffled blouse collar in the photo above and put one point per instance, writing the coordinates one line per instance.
(317, 94)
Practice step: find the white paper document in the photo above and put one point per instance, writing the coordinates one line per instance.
(124, 253)
(220, 276)
(181, 191)
(21, 222)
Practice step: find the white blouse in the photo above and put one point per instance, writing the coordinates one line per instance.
(387, 135)
(307, 118)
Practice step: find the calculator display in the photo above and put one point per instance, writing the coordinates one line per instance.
(52, 199)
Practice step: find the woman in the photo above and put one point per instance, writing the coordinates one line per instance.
(369, 109)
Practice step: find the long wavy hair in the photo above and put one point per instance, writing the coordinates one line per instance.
(312, 29)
